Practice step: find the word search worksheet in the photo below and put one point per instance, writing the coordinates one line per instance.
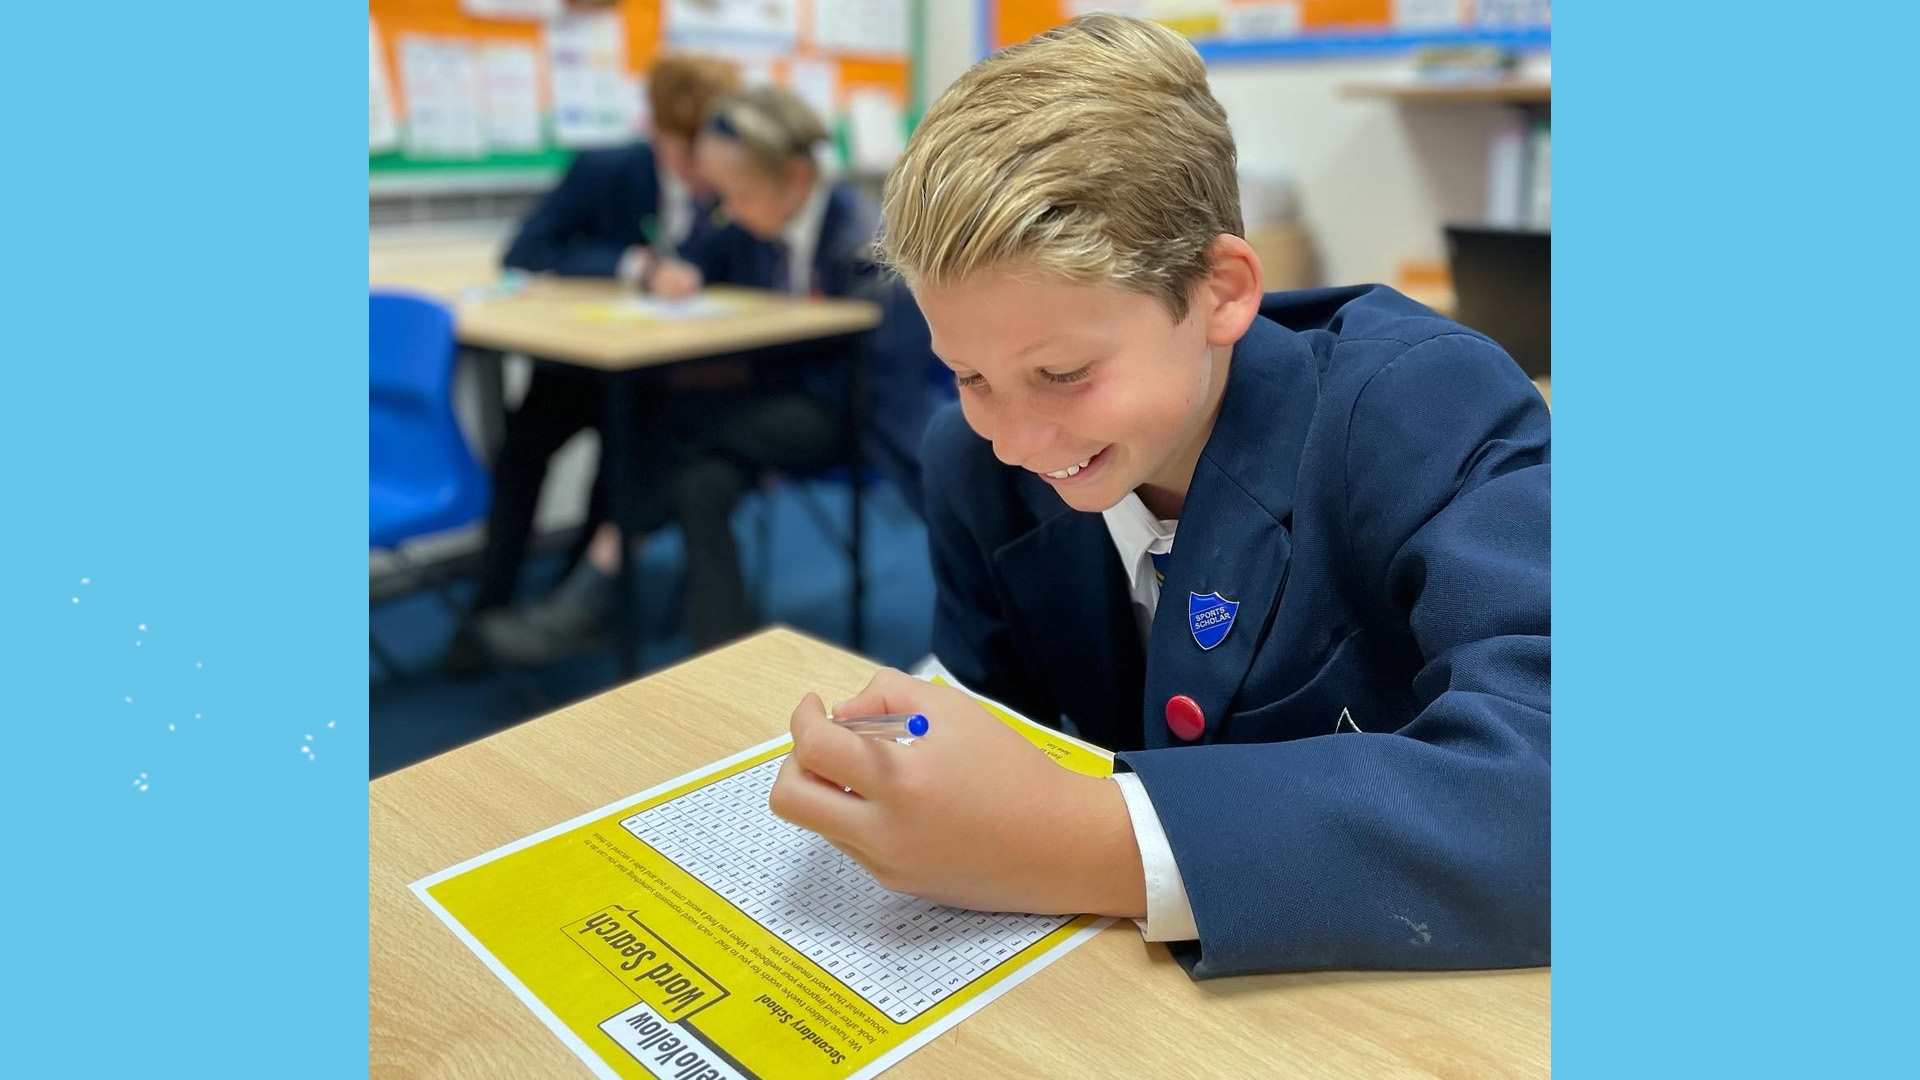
(686, 932)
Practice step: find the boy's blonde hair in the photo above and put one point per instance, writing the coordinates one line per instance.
(773, 125)
(1094, 152)
(681, 90)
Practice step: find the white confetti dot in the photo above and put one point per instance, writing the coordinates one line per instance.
(136, 643)
(169, 727)
(129, 699)
(199, 663)
(86, 581)
(309, 738)
(143, 787)
(76, 599)
(305, 749)
(143, 628)
(329, 723)
(196, 716)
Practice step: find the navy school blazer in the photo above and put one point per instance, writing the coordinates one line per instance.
(1374, 499)
(608, 201)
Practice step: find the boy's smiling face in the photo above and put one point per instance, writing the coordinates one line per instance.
(1093, 388)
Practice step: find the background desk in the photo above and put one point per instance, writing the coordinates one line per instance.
(563, 320)
(1115, 1007)
(548, 319)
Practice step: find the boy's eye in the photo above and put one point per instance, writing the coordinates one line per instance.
(1073, 376)
(971, 382)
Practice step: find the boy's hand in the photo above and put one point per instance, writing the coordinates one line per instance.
(972, 815)
(674, 280)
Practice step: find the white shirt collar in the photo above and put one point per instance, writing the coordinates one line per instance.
(802, 234)
(1137, 535)
(676, 210)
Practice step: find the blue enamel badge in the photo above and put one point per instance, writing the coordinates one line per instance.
(1210, 616)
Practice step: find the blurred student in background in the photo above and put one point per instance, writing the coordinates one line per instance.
(794, 228)
(617, 213)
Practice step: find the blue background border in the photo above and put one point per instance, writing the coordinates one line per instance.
(1734, 409)
(186, 429)
(1733, 778)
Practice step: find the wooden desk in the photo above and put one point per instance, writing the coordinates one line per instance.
(1114, 1007)
(565, 319)
(570, 320)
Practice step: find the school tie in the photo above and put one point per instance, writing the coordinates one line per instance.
(1160, 566)
(782, 267)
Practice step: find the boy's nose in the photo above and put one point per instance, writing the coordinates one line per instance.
(1019, 441)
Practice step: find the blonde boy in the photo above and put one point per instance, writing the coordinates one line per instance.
(1287, 554)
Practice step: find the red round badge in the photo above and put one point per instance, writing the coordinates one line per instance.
(1184, 718)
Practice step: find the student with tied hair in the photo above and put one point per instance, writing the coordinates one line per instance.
(1286, 554)
(616, 213)
(791, 227)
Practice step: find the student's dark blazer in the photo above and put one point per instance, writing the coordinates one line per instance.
(1374, 497)
(608, 201)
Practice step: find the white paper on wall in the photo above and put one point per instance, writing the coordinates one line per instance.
(763, 22)
(595, 101)
(524, 10)
(441, 80)
(383, 128)
(1429, 14)
(865, 27)
(816, 82)
(511, 75)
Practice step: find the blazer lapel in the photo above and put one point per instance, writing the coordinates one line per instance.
(1234, 546)
(1228, 552)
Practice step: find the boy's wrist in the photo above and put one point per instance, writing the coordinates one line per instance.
(1107, 877)
(636, 266)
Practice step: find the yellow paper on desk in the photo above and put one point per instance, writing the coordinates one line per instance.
(686, 932)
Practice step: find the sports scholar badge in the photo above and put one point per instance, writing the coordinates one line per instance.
(1210, 616)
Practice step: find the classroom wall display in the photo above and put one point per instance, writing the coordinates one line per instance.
(519, 85)
(1228, 30)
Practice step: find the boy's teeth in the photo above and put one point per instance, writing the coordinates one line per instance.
(1069, 470)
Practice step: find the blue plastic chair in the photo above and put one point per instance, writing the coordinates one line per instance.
(424, 478)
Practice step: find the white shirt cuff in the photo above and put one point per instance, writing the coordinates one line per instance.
(634, 266)
(1169, 913)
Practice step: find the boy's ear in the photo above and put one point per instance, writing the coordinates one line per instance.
(1232, 290)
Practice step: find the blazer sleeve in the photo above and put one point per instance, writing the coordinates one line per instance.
(1425, 847)
(559, 236)
(971, 636)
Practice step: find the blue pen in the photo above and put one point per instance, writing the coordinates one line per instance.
(890, 726)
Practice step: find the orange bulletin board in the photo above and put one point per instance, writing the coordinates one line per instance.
(1226, 30)
(646, 37)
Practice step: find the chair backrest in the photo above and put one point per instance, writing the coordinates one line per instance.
(414, 437)
(410, 348)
